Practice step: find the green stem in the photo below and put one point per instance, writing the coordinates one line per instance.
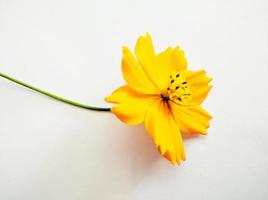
(53, 95)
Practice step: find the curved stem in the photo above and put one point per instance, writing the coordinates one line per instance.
(53, 95)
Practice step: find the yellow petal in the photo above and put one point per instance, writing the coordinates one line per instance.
(163, 68)
(163, 130)
(167, 62)
(159, 67)
(132, 105)
(178, 59)
(134, 75)
(144, 51)
(191, 119)
(200, 95)
(200, 85)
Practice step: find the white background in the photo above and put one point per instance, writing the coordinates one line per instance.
(50, 150)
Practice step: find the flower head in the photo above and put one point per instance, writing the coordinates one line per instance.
(164, 95)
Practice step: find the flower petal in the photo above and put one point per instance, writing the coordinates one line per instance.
(134, 75)
(191, 119)
(167, 62)
(159, 67)
(178, 59)
(144, 51)
(163, 130)
(132, 105)
(164, 68)
(200, 85)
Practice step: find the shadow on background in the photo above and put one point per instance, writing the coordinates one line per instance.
(101, 158)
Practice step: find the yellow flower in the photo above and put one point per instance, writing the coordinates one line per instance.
(164, 95)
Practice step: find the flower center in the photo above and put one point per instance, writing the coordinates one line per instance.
(178, 90)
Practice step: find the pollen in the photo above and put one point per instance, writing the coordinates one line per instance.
(178, 90)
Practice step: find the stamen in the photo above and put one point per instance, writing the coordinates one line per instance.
(178, 90)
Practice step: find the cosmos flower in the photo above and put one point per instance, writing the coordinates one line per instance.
(164, 95)
(160, 92)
